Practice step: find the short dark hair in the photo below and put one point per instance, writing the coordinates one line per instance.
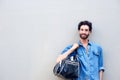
(89, 24)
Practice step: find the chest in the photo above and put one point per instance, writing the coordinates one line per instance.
(89, 53)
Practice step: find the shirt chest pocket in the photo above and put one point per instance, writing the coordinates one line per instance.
(80, 53)
(95, 54)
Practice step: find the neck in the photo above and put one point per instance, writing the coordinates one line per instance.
(84, 41)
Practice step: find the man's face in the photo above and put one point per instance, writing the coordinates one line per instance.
(84, 32)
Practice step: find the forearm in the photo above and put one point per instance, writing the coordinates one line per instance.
(101, 75)
(68, 52)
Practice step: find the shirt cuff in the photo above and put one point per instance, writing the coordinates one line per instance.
(102, 68)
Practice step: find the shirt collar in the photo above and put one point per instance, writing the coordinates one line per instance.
(89, 43)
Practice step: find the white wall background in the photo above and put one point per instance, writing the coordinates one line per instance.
(33, 33)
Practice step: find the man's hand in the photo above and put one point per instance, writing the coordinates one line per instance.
(61, 57)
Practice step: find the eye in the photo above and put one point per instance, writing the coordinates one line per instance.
(86, 29)
(81, 29)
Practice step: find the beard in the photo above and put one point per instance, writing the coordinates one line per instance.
(84, 36)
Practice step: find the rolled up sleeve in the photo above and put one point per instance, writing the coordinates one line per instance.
(101, 66)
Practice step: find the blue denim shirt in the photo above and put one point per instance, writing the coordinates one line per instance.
(91, 62)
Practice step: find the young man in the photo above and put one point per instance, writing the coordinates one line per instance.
(89, 54)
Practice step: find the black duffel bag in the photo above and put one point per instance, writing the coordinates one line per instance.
(67, 68)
